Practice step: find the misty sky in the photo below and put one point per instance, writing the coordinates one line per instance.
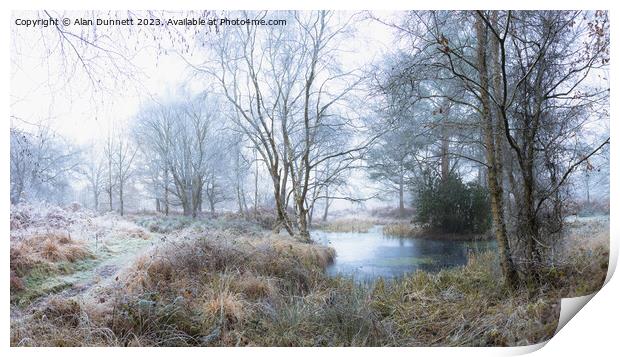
(42, 91)
(80, 112)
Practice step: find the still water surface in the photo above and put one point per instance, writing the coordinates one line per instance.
(367, 256)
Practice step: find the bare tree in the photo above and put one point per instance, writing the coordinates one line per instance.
(110, 179)
(123, 156)
(285, 88)
(41, 164)
(180, 135)
(238, 173)
(525, 76)
(93, 169)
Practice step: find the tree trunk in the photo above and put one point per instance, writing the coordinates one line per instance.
(327, 203)
(531, 223)
(240, 199)
(166, 189)
(588, 188)
(495, 190)
(96, 198)
(196, 196)
(255, 184)
(302, 221)
(120, 196)
(282, 220)
(211, 204)
(282, 217)
(110, 198)
(187, 209)
(401, 197)
(445, 141)
(109, 188)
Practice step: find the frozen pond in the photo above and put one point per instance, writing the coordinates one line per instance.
(367, 256)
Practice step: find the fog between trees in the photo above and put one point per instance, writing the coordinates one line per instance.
(278, 118)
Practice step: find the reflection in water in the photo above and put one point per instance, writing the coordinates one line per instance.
(366, 256)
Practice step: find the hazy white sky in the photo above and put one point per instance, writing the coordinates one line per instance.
(82, 114)
(75, 108)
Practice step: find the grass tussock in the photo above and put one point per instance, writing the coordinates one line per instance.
(233, 224)
(36, 262)
(354, 225)
(135, 233)
(410, 230)
(254, 287)
(463, 307)
(44, 252)
(402, 229)
(225, 305)
(163, 224)
(225, 290)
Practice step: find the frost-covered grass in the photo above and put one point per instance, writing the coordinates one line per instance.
(163, 224)
(54, 248)
(402, 229)
(217, 287)
(347, 224)
(36, 258)
(231, 223)
(273, 293)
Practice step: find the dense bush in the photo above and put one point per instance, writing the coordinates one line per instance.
(452, 206)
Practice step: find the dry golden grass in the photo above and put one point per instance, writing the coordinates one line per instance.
(307, 253)
(402, 229)
(67, 311)
(45, 249)
(253, 286)
(17, 283)
(226, 305)
(136, 233)
(464, 307)
(359, 225)
(148, 272)
(272, 291)
(409, 230)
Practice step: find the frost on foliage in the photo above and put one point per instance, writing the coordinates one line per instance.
(44, 215)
